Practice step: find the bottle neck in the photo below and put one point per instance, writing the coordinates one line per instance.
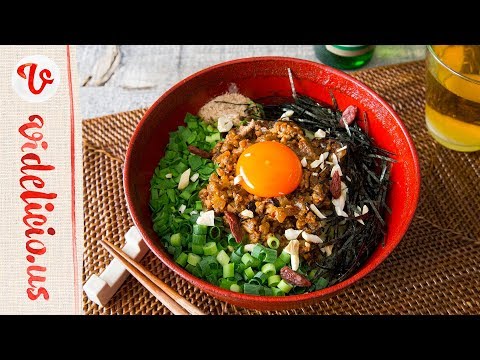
(349, 50)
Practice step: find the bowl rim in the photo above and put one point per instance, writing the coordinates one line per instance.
(306, 297)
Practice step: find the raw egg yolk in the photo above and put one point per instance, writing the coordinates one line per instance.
(269, 169)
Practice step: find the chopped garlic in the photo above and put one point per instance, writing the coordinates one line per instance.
(184, 180)
(340, 212)
(168, 176)
(324, 156)
(340, 201)
(292, 234)
(181, 209)
(334, 159)
(359, 220)
(364, 210)
(320, 134)
(299, 205)
(194, 177)
(341, 149)
(317, 212)
(328, 249)
(312, 238)
(304, 162)
(292, 249)
(295, 261)
(206, 218)
(286, 114)
(247, 213)
(237, 179)
(249, 247)
(315, 164)
(334, 169)
(314, 174)
(225, 122)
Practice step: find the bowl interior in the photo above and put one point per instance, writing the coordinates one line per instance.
(259, 78)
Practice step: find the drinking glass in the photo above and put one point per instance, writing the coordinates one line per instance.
(452, 110)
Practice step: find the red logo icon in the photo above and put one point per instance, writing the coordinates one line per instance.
(45, 77)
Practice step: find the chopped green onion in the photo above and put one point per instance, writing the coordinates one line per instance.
(267, 291)
(176, 239)
(257, 251)
(247, 259)
(209, 265)
(185, 195)
(239, 251)
(200, 229)
(185, 228)
(239, 268)
(210, 248)
(273, 242)
(195, 162)
(228, 270)
(268, 269)
(197, 249)
(212, 279)
(285, 257)
(171, 195)
(226, 283)
(253, 289)
(261, 277)
(274, 280)
(279, 263)
(193, 259)
(199, 239)
(236, 288)
(277, 292)
(256, 263)
(180, 167)
(195, 270)
(231, 240)
(198, 206)
(214, 232)
(213, 138)
(321, 283)
(182, 259)
(223, 258)
(249, 273)
(235, 258)
(270, 255)
(284, 286)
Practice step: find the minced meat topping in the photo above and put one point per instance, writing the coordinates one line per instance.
(272, 216)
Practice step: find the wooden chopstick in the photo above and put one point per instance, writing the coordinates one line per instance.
(164, 293)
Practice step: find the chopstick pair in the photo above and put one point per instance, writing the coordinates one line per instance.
(164, 293)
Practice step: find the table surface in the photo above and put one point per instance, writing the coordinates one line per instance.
(120, 78)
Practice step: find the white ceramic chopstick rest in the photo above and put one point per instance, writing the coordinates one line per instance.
(100, 289)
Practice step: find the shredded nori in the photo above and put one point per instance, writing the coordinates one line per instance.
(366, 172)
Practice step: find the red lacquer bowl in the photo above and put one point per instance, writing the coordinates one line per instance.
(256, 78)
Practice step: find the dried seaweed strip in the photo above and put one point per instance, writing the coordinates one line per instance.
(368, 167)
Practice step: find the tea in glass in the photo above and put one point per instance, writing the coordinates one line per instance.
(453, 95)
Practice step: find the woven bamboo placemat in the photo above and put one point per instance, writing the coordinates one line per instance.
(434, 270)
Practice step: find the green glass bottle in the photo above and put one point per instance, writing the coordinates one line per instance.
(344, 57)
